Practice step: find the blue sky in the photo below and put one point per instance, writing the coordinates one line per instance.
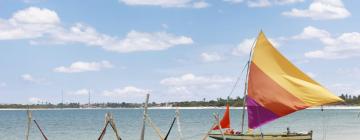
(175, 49)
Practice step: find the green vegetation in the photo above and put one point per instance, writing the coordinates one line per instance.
(350, 100)
(236, 102)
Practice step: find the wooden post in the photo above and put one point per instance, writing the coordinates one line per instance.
(104, 128)
(246, 85)
(29, 117)
(178, 123)
(112, 124)
(144, 118)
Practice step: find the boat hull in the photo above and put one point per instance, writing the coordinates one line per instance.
(280, 136)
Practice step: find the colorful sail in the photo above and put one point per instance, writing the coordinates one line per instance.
(277, 88)
(225, 121)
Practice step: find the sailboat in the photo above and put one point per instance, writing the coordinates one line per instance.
(274, 88)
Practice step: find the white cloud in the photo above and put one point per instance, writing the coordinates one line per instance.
(81, 66)
(134, 40)
(192, 80)
(244, 47)
(168, 3)
(210, 57)
(258, 3)
(263, 3)
(311, 32)
(3, 84)
(142, 41)
(126, 92)
(190, 86)
(33, 1)
(200, 4)
(29, 23)
(281, 2)
(344, 46)
(312, 75)
(34, 15)
(80, 92)
(342, 88)
(35, 100)
(32, 79)
(42, 26)
(234, 1)
(353, 72)
(321, 10)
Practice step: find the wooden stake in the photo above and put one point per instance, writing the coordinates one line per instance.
(27, 132)
(144, 118)
(112, 124)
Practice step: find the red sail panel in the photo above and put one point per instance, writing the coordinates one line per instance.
(225, 121)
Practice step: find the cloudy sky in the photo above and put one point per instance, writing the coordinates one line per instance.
(175, 49)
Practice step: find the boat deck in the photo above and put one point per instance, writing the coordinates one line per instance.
(279, 136)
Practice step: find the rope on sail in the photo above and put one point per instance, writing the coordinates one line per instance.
(238, 79)
(246, 84)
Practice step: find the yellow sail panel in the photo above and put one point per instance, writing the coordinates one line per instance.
(288, 76)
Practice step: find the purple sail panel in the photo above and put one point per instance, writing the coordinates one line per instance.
(258, 115)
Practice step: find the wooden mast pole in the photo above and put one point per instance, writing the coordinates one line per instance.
(145, 116)
(246, 85)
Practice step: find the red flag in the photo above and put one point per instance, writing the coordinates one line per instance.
(225, 121)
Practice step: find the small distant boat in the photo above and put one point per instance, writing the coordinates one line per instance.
(274, 88)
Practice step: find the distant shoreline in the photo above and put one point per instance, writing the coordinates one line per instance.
(171, 108)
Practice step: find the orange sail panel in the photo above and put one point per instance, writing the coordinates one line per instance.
(277, 88)
(225, 121)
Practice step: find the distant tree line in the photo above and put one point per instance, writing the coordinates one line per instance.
(350, 99)
(219, 102)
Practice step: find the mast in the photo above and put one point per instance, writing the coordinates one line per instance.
(246, 85)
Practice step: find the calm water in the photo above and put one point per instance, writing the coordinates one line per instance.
(86, 124)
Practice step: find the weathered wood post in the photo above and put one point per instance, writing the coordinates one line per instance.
(145, 116)
(29, 117)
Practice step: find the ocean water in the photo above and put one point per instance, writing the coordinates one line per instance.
(86, 124)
